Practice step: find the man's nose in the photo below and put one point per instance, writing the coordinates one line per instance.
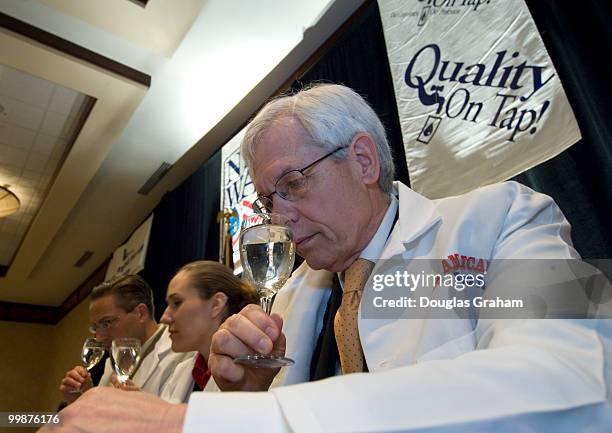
(100, 339)
(286, 208)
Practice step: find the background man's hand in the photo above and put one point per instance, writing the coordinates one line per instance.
(246, 333)
(76, 381)
(106, 409)
(128, 385)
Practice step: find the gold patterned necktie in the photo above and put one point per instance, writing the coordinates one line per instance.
(345, 322)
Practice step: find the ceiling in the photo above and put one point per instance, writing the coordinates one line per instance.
(211, 64)
(39, 120)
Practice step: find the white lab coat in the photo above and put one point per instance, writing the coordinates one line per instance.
(179, 386)
(155, 369)
(442, 375)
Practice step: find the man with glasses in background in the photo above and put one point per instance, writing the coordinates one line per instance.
(123, 308)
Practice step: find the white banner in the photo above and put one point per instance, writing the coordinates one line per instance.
(237, 192)
(130, 257)
(479, 99)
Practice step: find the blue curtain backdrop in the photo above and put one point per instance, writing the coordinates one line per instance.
(184, 228)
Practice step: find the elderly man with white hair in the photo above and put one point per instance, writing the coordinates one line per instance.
(320, 157)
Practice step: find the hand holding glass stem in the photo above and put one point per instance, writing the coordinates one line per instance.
(91, 354)
(267, 252)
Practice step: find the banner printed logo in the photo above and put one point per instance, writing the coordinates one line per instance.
(439, 83)
(238, 192)
(429, 129)
(237, 183)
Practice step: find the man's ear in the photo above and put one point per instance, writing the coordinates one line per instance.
(142, 311)
(364, 149)
(219, 303)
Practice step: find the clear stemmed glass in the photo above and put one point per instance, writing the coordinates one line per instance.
(267, 251)
(91, 354)
(126, 354)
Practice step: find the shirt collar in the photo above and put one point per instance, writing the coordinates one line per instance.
(417, 213)
(153, 338)
(375, 248)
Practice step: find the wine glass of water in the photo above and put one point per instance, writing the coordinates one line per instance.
(126, 354)
(267, 252)
(91, 354)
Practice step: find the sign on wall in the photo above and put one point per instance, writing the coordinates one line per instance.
(130, 257)
(478, 97)
(238, 193)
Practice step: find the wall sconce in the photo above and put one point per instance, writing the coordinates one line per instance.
(9, 203)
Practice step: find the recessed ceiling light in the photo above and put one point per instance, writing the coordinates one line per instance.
(9, 202)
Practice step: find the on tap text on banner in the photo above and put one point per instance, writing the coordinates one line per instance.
(478, 97)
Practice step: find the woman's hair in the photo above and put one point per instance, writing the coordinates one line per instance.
(209, 277)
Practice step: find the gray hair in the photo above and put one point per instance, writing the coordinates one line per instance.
(331, 114)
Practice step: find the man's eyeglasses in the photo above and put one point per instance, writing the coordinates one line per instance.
(103, 325)
(291, 186)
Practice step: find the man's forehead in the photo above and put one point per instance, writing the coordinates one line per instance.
(104, 306)
(282, 148)
(268, 172)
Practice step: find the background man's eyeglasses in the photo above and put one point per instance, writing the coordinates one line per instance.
(103, 325)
